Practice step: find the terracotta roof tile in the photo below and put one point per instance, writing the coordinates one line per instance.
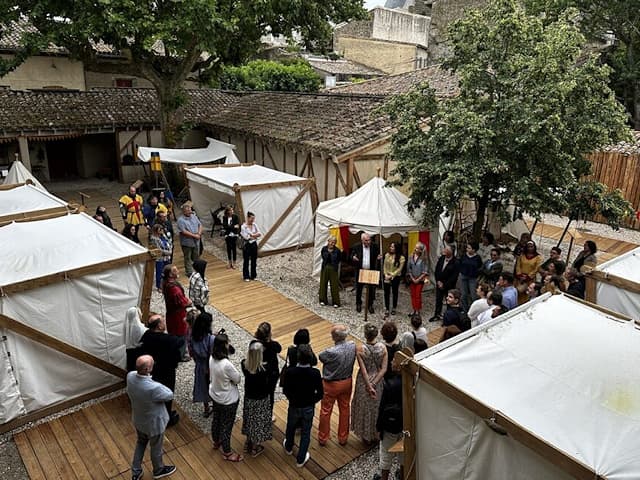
(345, 67)
(331, 123)
(444, 83)
(626, 148)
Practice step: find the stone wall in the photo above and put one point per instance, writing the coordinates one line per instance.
(399, 26)
(443, 13)
(390, 57)
(45, 71)
(357, 28)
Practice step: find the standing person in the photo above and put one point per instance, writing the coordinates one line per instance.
(449, 240)
(329, 272)
(417, 272)
(365, 256)
(586, 259)
(201, 346)
(521, 245)
(133, 331)
(149, 416)
(106, 219)
(508, 291)
(199, 285)
(151, 209)
(303, 388)
(392, 274)
(494, 299)
(389, 333)
(131, 208)
(492, 268)
(190, 231)
(301, 337)
(554, 259)
(372, 363)
(481, 304)
(389, 425)
(455, 319)
(176, 303)
(166, 199)
(231, 227)
(131, 232)
(575, 282)
(270, 355)
(470, 267)
(165, 350)
(446, 274)
(256, 413)
(223, 390)
(250, 233)
(527, 266)
(486, 245)
(163, 243)
(337, 372)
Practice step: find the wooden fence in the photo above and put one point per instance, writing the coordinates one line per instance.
(622, 171)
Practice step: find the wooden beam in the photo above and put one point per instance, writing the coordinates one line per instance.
(614, 280)
(58, 407)
(295, 162)
(284, 158)
(262, 186)
(37, 215)
(617, 316)
(147, 287)
(560, 459)
(326, 175)
(71, 274)
(356, 176)
(117, 153)
(408, 418)
(129, 142)
(304, 166)
(11, 186)
(590, 290)
(350, 169)
(284, 215)
(340, 178)
(310, 172)
(273, 162)
(345, 157)
(315, 201)
(60, 346)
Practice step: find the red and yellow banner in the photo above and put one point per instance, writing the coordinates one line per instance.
(342, 235)
(415, 237)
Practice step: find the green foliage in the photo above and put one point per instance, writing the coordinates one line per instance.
(531, 105)
(164, 40)
(291, 76)
(588, 199)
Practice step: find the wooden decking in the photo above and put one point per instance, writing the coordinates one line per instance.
(97, 443)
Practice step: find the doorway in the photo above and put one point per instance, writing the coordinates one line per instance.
(63, 159)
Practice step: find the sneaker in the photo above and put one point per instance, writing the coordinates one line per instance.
(335, 305)
(247, 280)
(174, 418)
(284, 443)
(371, 310)
(165, 471)
(306, 459)
(393, 312)
(137, 476)
(322, 304)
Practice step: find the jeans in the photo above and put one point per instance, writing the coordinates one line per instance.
(468, 289)
(190, 255)
(299, 417)
(155, 443)
(159, 268)
(249, 254)
(391, 287)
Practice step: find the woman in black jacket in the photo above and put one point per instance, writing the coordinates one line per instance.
(231, 227)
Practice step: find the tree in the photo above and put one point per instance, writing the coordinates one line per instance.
(599, 21)
(531, 106)
(291, 76)
(163, 41)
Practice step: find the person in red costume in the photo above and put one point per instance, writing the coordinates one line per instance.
(176, 303)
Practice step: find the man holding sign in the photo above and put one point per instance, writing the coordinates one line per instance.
(365, 256)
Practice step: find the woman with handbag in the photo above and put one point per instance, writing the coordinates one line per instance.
(417, 273)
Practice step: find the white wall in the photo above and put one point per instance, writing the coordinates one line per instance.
(42, 71)
(400, 26)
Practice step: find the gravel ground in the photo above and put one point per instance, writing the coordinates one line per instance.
(290, 274)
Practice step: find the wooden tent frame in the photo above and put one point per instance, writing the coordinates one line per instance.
(308, 185)
(592, 277)
(49, 341)
(413, 372)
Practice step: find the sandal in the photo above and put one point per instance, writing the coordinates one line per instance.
(232, 457)
(257, 451)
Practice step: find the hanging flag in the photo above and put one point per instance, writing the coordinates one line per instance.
(342, 236)
(415, 237)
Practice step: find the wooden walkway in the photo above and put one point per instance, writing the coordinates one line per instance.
(98, 442)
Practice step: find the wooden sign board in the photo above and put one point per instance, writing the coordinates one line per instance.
(369, 277)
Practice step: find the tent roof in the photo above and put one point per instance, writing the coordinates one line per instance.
(214, 151)
(372, 208)
(26, 199)
(626, 266)
(45, 247)
(242, 175)
(560, 369)
(18, 173)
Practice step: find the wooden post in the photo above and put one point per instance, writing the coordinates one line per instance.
(590, 292)
(350, 169)
(408, 417)
(147, 286)
(118, 159)
(239, 206)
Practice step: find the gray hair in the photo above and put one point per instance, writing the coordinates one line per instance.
(365, 235)
(339, 332)
(420, 245)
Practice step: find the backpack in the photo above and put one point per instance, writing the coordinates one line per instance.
(465, 321)
(392, 418)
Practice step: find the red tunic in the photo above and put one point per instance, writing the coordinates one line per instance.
(176, 302)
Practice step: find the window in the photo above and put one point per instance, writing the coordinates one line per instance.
(124, 82)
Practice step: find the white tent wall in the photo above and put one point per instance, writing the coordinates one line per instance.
(269, 204)
(206, 199)
(11, 405)
(18, 173)
(618, 299)
(456, 444)
(28, 199)
(87, 312)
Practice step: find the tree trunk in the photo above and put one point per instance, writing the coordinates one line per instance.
(633, 102)
(483, 203)
(170, 100)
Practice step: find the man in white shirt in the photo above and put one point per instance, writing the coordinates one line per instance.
(365, 256)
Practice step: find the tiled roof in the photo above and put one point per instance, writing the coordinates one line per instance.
(69, 110)
(11, 37)
(444, 83)
(344, 67)
(626, 148)
(331, 123)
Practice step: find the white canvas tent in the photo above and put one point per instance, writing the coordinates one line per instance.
(216, 150)
(549, 391)
(283, 203)
(373, 208)
(18, 173)
(66, 284)
(616, 284)
(26, 201)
